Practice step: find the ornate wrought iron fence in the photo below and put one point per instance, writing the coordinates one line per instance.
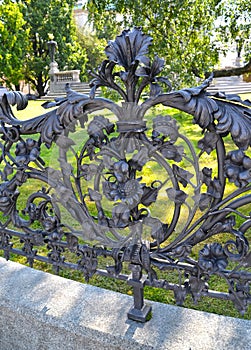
(136, 194)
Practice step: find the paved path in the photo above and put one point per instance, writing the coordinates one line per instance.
(40, 311)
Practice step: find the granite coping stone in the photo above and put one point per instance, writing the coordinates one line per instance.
(41, 311)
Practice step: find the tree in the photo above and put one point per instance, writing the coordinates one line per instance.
(181, 31)
(94, 49)
(235, 28)
(13, 43)
(184, 32)
(46, 19)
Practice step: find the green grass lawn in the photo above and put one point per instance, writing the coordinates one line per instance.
(193, 133)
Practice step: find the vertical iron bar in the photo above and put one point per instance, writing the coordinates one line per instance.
(139, 312)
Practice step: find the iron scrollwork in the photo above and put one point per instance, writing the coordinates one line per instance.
(139, 191)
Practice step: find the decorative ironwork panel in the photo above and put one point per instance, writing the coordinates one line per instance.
(133, 190)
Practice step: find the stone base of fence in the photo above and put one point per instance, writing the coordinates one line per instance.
(40, 311)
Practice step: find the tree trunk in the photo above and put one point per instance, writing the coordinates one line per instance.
(40, 86)
(17, 87)
(231, 71)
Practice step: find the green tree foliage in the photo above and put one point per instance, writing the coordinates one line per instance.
(13, 43)
(234, 29)
(94, 48)
(181, 30)
(46, 19)
(235, 25)
(186, 33)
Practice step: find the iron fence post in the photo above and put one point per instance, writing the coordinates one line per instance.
(140, 311)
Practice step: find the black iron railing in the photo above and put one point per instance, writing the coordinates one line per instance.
(137, 193)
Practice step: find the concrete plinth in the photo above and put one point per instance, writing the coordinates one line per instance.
(40, 311)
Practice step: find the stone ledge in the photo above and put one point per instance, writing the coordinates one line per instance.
(40, 311)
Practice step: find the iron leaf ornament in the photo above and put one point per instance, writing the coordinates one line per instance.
(134, 190)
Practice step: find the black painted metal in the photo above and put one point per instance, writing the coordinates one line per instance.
(137, 194)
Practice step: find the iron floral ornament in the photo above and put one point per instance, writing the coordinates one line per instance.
(129, 188)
